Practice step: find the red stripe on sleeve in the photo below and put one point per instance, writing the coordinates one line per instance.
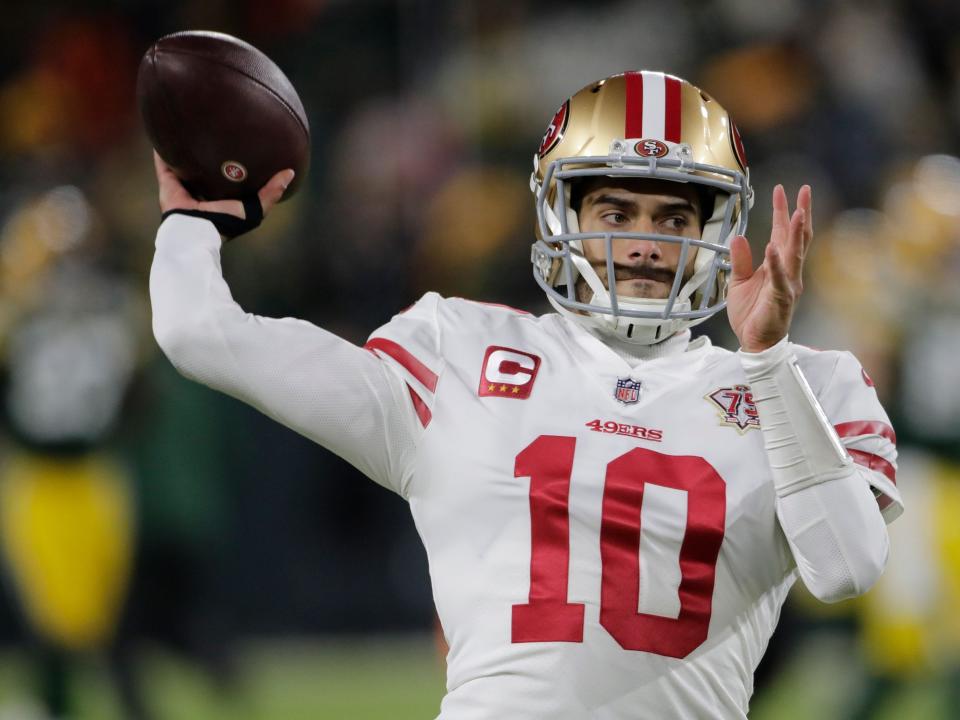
(423, 412)
(421, 372)
(866, 427)
(633, 125)
(874, 462)
(671, 122)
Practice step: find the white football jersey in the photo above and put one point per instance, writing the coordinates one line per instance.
(602, 539)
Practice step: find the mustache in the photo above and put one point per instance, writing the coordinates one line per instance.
(636, 272)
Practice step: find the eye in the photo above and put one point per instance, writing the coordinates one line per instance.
(675, 222)
(615, 218)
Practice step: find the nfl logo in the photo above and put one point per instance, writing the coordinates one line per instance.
(628, 391)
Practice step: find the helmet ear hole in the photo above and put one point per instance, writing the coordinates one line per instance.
(576, 195)
(708, 204)
(573, 210)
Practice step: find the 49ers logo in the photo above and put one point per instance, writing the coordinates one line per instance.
(616, 428)
(650, 148)
(233, 171)
(555, 130)
(738, 145)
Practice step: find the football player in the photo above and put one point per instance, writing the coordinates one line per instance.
(613, 512)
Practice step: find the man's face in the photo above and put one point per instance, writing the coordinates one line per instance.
(644, 269)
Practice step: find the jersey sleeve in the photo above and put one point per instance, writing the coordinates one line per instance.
(409, 345)
(342, 396)
(849, 399)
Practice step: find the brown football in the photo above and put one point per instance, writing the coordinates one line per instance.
(221, 114)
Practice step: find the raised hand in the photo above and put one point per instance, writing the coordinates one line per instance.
(173, 196)
(760, 302)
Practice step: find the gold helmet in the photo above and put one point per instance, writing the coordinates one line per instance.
(647, 125)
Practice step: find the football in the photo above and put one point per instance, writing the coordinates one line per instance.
(221, 114)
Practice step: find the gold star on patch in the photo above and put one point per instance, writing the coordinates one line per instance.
(491, 388)
(503, 388)
(516, 389)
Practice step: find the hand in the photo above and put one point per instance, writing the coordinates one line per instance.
(173, 196)
(760, 303)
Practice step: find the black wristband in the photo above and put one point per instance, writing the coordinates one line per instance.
(230, 226)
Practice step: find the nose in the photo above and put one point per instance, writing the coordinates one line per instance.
(636, 250)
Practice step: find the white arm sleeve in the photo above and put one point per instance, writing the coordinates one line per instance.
(825, 505)
(333, 392)
(837, 535)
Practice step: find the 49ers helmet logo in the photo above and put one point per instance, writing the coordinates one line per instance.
(738, 145)
(650, 148)
(555, 130)
(233, 171)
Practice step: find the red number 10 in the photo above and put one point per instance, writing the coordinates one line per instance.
(548, 617)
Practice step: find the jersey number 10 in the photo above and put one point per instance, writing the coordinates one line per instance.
(548, 617)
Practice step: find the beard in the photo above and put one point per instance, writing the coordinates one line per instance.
(636, 281)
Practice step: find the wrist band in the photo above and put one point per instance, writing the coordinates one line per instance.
(230, 226)
(802, 446)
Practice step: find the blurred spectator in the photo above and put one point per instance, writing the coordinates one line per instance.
(66, 505)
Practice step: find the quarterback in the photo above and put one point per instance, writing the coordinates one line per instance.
(613, 511)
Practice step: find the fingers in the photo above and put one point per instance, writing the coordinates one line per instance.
(741, 259)
(784, 229)
(271, 193)
(779, 277)
(800, 235)
(165, 177)
(791, 251)
(159, 165)
(781, 216)
(791, 234)
(805, 202)
(172, 193)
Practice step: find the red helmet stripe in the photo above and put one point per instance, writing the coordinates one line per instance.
(633, 126)
(672, 110)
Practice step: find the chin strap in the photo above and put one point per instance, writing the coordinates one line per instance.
(229, 226)
(620, 327)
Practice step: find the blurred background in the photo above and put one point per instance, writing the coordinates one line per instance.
(220, 566)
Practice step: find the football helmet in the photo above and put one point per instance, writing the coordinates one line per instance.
(647, 125)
